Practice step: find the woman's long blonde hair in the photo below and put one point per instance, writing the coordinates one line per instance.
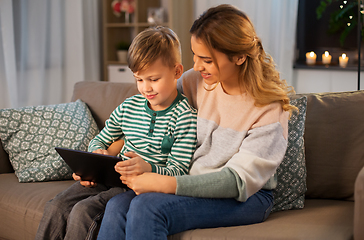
(228, 30)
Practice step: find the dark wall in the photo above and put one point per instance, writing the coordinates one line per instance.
(312, 33)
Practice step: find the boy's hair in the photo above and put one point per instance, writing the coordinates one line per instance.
(152, 44)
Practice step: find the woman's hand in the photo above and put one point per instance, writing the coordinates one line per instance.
(83, 183)
(133, 166)
(150, 182)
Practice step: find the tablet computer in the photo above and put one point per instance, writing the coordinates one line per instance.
(93, 167)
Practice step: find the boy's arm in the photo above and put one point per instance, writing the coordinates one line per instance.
(115, 147)
(113, 150)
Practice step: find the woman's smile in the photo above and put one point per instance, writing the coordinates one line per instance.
(205, 75)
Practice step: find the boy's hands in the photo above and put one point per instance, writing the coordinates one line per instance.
(136, 174)
(83, 183)
(133, 166)
(88, 183)
(101, 151)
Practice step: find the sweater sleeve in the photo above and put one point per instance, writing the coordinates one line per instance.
(246, 172)
(258, 158)
(223, 184)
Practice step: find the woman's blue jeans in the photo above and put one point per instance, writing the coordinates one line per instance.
(154, 216)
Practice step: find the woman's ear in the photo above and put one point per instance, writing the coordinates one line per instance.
(179, 70)
(240, 59)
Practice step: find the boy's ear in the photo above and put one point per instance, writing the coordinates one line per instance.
(179, 70)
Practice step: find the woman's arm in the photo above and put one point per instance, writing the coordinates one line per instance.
(243, 175)
(248, 170)
(223, 182)
(150, 182)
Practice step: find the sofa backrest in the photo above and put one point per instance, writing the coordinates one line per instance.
(103, 97)
(334, 134)
(334, 143)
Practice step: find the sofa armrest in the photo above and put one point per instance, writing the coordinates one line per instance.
(359, 206)
(5, 166)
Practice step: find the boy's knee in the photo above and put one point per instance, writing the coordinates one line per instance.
(80, 211)
(55, 206)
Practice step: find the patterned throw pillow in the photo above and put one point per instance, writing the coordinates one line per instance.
(30, 134)
(291, 174)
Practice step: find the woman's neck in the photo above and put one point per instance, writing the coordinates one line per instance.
(232, 88)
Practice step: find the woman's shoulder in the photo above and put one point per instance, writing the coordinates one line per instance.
(188, 84)
(189, 79)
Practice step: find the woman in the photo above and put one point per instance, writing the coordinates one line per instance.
(243, 110)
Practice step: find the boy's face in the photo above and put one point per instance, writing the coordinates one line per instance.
(158, 84)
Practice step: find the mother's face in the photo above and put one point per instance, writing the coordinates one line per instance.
(229, 70)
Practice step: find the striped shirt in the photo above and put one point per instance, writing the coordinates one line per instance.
(166, 139)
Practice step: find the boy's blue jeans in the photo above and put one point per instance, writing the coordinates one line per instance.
(153, 216)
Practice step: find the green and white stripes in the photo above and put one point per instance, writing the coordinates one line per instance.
(166, 139)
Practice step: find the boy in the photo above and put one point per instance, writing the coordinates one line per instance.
(158, 128)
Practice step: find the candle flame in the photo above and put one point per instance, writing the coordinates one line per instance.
(344, 56)
(326, 53)
(312, 54)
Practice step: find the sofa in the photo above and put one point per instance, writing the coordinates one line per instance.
(334, 160)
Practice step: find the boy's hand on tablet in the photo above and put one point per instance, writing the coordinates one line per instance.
(133, 166)
(101, 151)
(83, 183)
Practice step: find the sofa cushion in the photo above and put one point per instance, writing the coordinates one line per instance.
(22, 205)
(29, 135)
(319, 220)
(291, 173)
(334, 143)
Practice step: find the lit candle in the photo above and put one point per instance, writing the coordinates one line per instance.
(310, 58)
(326, 58)
(343, 60)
